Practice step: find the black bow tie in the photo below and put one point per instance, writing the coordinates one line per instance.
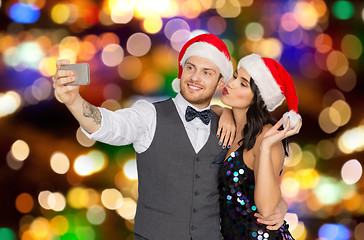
(205, 115)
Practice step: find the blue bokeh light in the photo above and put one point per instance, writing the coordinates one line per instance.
(24, 13)
(334, 232)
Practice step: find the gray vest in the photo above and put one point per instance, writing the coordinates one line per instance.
(178, 189)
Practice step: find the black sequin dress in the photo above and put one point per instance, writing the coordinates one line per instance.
(237, 207)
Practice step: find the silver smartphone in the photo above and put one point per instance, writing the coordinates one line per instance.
(81, 72)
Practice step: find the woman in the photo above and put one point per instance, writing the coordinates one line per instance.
(249, 176)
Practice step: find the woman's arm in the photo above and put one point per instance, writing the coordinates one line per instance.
(269, 155)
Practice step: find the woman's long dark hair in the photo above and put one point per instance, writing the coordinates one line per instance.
(257, 116)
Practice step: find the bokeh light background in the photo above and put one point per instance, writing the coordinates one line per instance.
(57, 184)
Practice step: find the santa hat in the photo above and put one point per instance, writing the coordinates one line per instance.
(206, 46)
(274, 84)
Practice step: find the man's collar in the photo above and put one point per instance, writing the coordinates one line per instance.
(182, 103)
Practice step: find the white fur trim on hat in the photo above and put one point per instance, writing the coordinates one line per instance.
(294, 118)
(176, 85)
(210, 52)
(263, 78)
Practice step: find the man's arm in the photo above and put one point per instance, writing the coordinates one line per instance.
(88, 116)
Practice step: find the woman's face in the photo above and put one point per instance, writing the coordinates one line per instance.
(237, 92)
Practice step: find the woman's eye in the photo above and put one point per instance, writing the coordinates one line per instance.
(242, 84)
(234, 77)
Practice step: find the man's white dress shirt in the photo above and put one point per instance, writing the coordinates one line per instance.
(137, 125)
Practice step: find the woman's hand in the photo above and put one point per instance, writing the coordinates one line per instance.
(274, 135)
(227, 128)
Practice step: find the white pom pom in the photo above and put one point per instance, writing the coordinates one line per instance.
(176, 85)
(294, 118)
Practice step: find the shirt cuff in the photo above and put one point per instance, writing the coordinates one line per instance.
(99, 133)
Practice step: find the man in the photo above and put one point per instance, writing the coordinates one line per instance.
(177, 157)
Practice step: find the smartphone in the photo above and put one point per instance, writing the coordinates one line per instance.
(81, 72)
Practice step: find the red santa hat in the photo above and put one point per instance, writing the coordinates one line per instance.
(274, 84)
(206, 46)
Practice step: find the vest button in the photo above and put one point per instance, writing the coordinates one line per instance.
(192, 227)
(194, 210)
(197, 176)
(197, 159)
(196, 193)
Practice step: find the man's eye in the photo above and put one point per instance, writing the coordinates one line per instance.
(207, 73)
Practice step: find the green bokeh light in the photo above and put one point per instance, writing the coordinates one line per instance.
(343, 9)
(6, 234)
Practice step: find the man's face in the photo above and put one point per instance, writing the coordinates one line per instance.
(199, 81)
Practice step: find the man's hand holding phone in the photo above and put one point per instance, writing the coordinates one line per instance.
(68, 79)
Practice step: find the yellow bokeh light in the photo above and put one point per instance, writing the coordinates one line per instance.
(78, 197)
(91, 163)
(130, 68)
(306, 15)
(326, 149)
(270, 47)
(59, 225)
(99, 160)
(344, 111)
(149, 82)
(299, 232)
(60, 13)
(40, 227)
(309, 178)
(43, 199)
(9, 103)
(325, 120)
(83, 139)
(112, 199)
(352, 46)
(130, 169)
(254, 31)
(67, 54)
(122, 15)
(111, 105)
(228, 8)
(138, 44)
(83, 165)
(346, 82)
(59, 162)
(20, 150)
(294, 156)
(128, 209)
(290, 187)
(47, 66)
(87, 51)
(152, 24)
(96, 215)
(337, 63)
(352, 140)
(70, 42)
(57, 201)
(112, 55)
(308, 162)
(191, 8)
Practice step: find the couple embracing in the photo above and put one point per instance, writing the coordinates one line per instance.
(197, 180)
